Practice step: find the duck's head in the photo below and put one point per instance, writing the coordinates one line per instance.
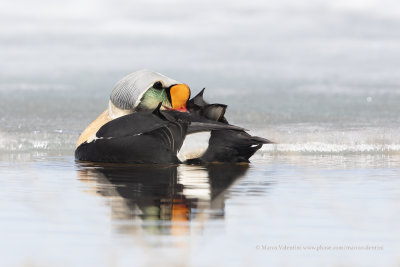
(145, 89)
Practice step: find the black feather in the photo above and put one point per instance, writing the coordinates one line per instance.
(145, 137)
(225, 145)
(198, 100)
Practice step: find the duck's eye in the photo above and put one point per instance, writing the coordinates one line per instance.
(158, 85)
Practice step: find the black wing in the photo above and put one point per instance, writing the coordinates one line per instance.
(200, 123)
(132, 124)
(136, 138)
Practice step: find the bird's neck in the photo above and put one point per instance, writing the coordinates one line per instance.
(115, 112)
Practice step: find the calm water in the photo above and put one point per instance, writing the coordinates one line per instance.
(320, 79)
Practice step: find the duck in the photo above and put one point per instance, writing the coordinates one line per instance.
(148, 118)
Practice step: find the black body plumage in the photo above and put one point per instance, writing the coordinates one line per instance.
(145, 137)
(140, 137)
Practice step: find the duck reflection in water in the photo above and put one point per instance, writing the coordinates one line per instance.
(162, 199)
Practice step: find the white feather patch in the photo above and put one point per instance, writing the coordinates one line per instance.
(194, 146)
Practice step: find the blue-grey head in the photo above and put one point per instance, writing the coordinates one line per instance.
(145, 89)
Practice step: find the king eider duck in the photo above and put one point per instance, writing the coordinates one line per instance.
(148, 118)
